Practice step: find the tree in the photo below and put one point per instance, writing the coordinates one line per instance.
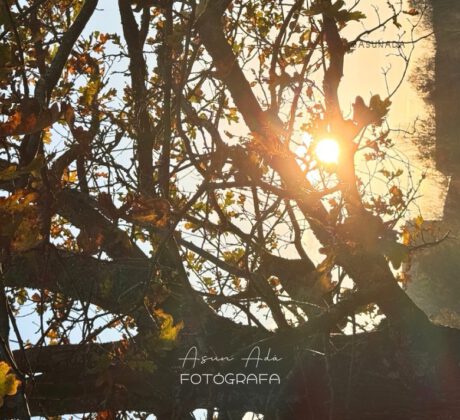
(172, 215)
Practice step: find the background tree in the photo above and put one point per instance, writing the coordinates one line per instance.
(138, 222)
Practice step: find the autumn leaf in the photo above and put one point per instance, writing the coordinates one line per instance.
(411, 12)
(396, 196)
(68, 176)
(372, 114)
(8, 382)
(406, 237)
(105, 415)
(28, 119)
(378, 105)
(152, 211)
(418, 221)
(19, 220)
(46, 136)
(168, 331)
(12, 172)
(89, 92)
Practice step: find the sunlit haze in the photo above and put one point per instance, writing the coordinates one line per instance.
(327, 151)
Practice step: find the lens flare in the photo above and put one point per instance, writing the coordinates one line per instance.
(327, 151)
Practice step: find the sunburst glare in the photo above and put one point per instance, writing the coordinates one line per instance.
(327, 151)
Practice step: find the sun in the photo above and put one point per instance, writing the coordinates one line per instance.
(327, 151)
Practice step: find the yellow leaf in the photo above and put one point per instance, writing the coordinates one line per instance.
(406, 237)
(8, 382)
(189, 226)
(47, 136)
(168, 331)
(69, 176)
(52, 334)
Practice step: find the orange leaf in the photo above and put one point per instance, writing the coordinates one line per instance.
(154, 211)
(105, 415)
(27, 119)
(412, 12)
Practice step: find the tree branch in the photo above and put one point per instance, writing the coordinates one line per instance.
(53, 73)
(365, 266)
(80, 210)
(137, 66)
